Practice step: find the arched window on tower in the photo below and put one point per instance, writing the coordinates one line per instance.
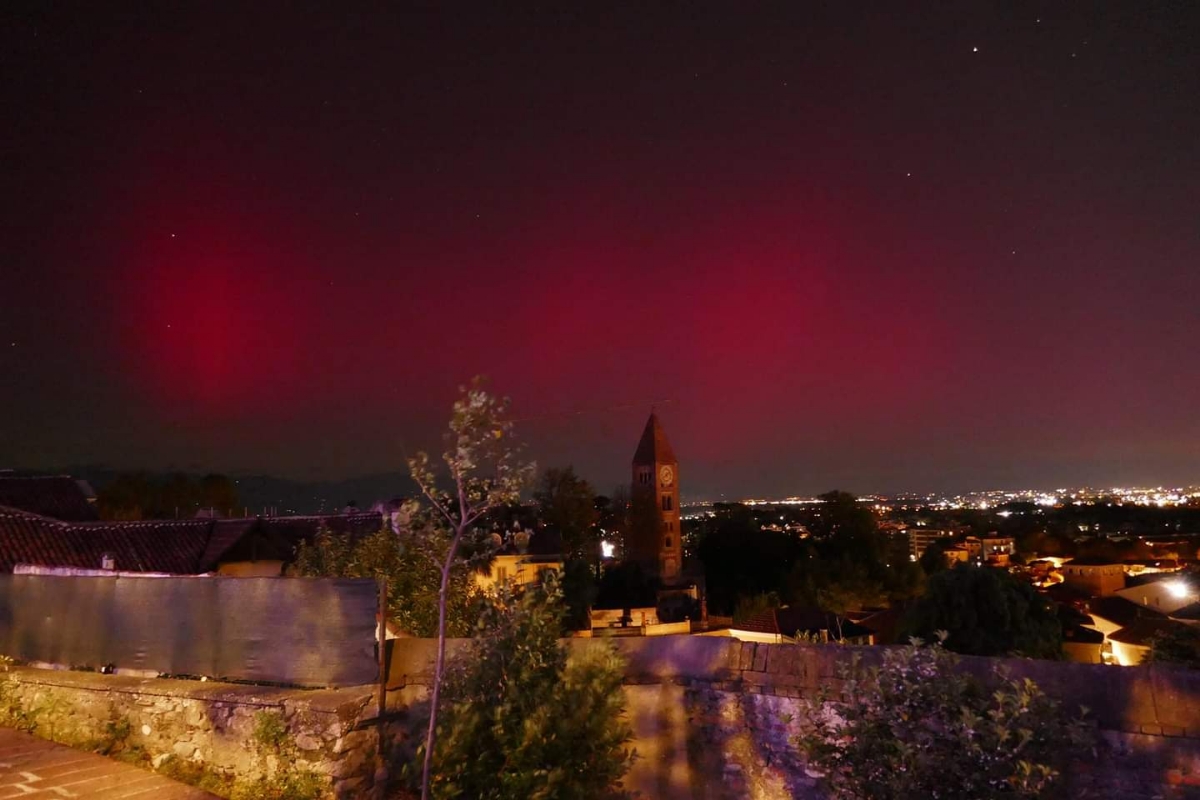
(667, 504)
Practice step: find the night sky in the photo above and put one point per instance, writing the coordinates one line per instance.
(838, 245)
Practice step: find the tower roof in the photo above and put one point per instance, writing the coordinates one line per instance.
(654, 447)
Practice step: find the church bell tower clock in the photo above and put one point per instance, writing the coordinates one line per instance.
(655, 535)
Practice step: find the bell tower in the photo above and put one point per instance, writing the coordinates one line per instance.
(655, 535)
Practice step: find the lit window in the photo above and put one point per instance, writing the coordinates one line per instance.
(501, 574)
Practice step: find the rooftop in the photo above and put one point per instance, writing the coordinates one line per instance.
(180, 547)
(56, 496)
(654, 448)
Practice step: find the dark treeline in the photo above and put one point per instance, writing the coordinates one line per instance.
(139, 495)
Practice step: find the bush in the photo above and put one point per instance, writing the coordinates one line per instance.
(520, 719)
(917, 727)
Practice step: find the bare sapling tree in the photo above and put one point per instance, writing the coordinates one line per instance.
(485, 472)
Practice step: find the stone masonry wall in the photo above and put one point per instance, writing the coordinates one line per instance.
(208, 723)
(710, 716)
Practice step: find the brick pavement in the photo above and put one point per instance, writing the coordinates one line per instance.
(40, 770)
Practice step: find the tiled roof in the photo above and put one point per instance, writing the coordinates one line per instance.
(1078, 634)
(1142, 631)
(789, 621)
(276, 538)
(654, 447)
(225, 534)
(181, 547)
(156, 546)
(55, 496)
(884, 624)
(1121, 611)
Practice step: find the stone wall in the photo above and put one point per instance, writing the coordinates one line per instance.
(710, 715)
(212, 724)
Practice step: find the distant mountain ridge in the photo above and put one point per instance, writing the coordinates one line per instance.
(268, 494)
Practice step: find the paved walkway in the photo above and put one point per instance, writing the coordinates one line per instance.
(41, 770)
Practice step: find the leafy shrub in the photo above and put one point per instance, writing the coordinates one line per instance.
(409, 562)
(198, 774)
(521, 719)
(1178, 645)
(289, 780)
(917, 728)
(270, 732)
(284, 785)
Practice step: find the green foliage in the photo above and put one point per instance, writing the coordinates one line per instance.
(1178, 645)
(288, 781)
(933, 560)
(482, 458)
(287, 784)
(845, 564)
(525, 720)
(270, 731)
(13, 713)
(742, 560)
(115, 739)
(486, 473)
(986, 612)
(917, 727)
(567, 504)
(198, 774)
(409, 561)
(579, 593)
(754, 605)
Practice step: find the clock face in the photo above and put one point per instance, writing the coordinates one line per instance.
(666, 475)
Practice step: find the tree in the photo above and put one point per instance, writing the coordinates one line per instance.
(1177, 644)
(137, 495)
(580, 589)
(614, 514)
(524, 719)
(407, 559)
(485, 472)
(918, 727)
(742, 560)
(753, 605)
(567, 504)
(219, 493)
(986, 612)
(933, 560)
